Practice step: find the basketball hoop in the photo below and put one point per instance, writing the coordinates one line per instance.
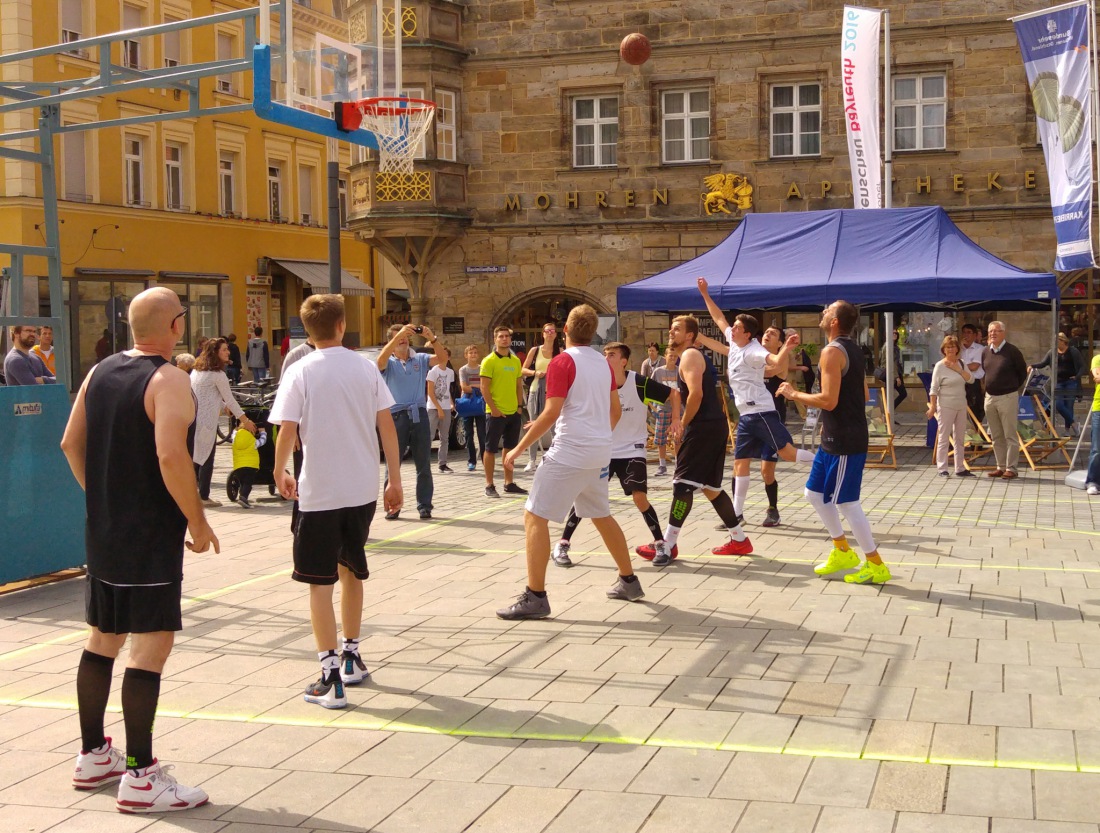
(399, 125)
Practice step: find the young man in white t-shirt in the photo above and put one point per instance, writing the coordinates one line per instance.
(582, 403)
(760, 432)
(628, 440)
(334, 400)
(440, 379)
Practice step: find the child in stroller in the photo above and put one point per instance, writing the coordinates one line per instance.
(253, 458)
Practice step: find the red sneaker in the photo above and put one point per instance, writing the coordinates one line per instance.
(732, 547)
(646, 551)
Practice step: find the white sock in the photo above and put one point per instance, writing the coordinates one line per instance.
(330, 663)
(801, 455)
(351, 646)
(740, 492)
(737, 533)
(671, 534)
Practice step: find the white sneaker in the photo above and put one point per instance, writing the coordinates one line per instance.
(153, 790)
(98, 767)
(1093, 489)
(530, 467)
(352, 669)
(330, 695)
(661, 471)
(211, 503)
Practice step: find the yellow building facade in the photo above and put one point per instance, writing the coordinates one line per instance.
(230, 210)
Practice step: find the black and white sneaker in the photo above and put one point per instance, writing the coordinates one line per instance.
(329, 694)
(561, 554)
(352, 668)
(661, 555)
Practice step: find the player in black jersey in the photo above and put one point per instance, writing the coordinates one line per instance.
(837, 472)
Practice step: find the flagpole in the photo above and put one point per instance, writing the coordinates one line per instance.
(887, 102)
(1094, 111)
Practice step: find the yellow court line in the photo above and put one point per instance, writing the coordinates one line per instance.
(432, 525)
(367, 723)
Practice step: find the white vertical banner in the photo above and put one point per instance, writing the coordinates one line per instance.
(1055, 47)
(859, 86)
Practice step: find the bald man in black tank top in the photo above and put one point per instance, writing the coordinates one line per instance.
(128, 443)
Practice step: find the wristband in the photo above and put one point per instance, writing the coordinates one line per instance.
(434, 340)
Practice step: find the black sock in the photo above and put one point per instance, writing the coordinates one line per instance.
(772, 490)
(653, 523)
(140, 693)
(538, 594)
(724, 507)
(93, 688)
(629, 579)
(571, 524)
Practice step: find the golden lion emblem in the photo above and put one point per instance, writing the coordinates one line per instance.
(724, 189)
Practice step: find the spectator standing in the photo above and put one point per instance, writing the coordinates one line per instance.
(1005, 375)
(1092, 478)
(971, 355)
(22, 366)
(653, 361)
(336, 402)
(502, 387)
(406, 375)
(440, 379)
(947, 403)
(128, 443)
(233, 369)
(900, 393)
(185, 362)
(668, 376)
(212, 395)
(257, 356)
(1070, 369)
(534, 367)
(44, 349)
(469, 380)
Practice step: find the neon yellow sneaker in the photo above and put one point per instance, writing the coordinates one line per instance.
(869, 573)
(838, 560)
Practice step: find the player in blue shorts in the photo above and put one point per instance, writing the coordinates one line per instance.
(837, 471)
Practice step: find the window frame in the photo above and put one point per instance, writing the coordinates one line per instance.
(276, 191)
(596, 122)
(306, 215)
(686, 117)
(132, 51)
(231, 175)
(226, 83)
(67, 189)
(178, 166)
(918, 104)
(796, 110)
(134, 170)
(446, 129)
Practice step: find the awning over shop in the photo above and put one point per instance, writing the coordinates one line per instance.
(95, 272)
(315, 273)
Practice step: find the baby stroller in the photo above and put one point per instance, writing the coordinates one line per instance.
(266, 473)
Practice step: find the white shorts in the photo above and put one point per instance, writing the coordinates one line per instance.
(558, 488)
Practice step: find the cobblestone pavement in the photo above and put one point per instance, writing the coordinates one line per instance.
(741, 694)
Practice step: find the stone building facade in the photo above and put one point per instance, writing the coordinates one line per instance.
(582, 172)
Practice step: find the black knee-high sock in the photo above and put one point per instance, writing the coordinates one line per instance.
(140, 693)
(93, 688)
(772, 490)
(653, 522)
(724, 507)
(571, 524)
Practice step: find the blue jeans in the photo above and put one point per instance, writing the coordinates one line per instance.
(471, 423)
(258, 373)
(1064, 395)
(1093, 476)
(416, 437)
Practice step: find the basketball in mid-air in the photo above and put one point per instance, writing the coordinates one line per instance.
(635, 49)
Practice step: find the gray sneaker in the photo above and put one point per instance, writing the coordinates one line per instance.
(491, 491)
(661, 556)
(527, 606)
(627, 591)
(561, 554)
(771, 517)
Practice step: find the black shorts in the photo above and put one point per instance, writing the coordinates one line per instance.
(701, 460)
(133, 609)
(632, 474)
(330, 538)
(502, 432)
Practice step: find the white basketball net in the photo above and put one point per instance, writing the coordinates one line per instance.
(399, 125)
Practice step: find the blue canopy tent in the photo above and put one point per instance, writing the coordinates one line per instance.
(894, 259)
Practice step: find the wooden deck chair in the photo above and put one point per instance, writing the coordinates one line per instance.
(880, 436)
(811, 426)
(1038, 437)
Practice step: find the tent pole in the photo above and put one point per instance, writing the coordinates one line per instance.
(887, 394)
(1053, 380)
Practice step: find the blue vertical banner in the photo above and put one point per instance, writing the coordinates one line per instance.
(1055, 47)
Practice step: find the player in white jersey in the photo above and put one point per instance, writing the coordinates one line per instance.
(628, 440)
(760, 432)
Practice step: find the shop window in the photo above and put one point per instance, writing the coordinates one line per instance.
(796, 120)
(920, 112)
(595, 132)
(685, 126)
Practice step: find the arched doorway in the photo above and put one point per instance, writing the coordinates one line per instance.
(527, 312)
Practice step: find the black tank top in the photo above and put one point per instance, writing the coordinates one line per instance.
(135, 530)
(710, 409)
(844, 429)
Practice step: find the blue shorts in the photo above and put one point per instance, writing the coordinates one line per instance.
(836, 476)
(760, 435)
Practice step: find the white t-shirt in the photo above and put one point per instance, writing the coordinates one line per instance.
(969, 355)
(746, 373)
(334, 395)
(629, 437)
(582, 435)
(442, 377)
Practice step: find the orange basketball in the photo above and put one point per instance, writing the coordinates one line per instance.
(635, 49)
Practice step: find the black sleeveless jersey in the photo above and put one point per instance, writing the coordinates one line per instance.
(710, 409)
(135, 530)
(844, 429)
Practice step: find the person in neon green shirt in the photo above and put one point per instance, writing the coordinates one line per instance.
(1092, 479)
(502, 387)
